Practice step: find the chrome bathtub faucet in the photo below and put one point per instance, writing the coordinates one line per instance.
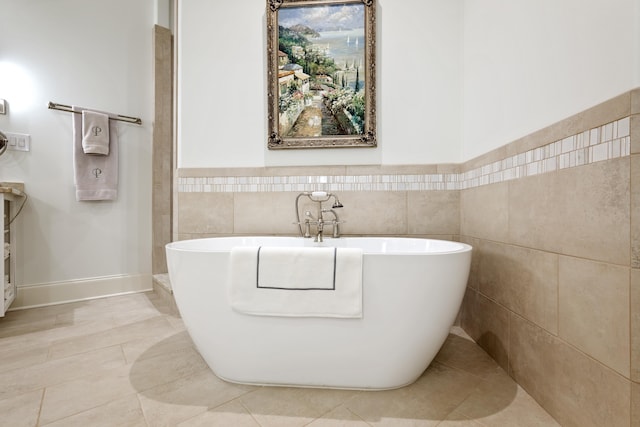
(320, 222)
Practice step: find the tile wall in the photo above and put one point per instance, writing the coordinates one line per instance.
(554, 218)
(162, 146)
(554, 294)
(378, 200)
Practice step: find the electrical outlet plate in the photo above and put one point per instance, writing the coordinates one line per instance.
(18, 141)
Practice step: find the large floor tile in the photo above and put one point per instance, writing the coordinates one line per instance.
(464, 354)
(498, 401)
(339, 417)
(121, 334)
(22, 356)
(89, 392)
(21, 410)
(177, 401)
(60, 370)
(146, 348)
(125, 412)
(230, 414)
(164, 368)
(424, 403)
(288, 406)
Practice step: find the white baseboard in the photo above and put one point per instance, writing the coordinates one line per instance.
(79, 290)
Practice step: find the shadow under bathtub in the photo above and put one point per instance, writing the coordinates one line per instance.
(462, 383)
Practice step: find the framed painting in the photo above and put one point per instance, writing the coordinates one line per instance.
(321, 73)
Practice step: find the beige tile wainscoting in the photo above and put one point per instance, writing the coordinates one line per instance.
(554, 277)
(162, 146)
(554, 218)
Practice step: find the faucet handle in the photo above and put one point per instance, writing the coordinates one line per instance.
(307, 227)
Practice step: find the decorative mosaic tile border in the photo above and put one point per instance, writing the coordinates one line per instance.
(606, 142)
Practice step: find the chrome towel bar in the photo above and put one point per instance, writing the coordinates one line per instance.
(118, 117)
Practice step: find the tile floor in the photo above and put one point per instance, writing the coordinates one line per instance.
(127, 361)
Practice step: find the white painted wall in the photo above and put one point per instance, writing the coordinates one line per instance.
(95, 54)
(456, 79)
(529, 64)
(222, 86)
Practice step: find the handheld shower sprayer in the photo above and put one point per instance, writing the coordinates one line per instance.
(323, 196)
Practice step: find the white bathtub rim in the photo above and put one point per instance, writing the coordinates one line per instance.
(445, 247)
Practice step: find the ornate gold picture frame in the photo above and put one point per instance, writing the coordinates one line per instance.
(321, 73)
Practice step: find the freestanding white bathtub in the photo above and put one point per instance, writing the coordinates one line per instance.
(412, 291)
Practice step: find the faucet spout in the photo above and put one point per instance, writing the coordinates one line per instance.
(320, 226)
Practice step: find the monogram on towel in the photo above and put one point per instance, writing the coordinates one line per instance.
(95, 133)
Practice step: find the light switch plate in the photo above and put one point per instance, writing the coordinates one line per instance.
(18, 141)
(3, 106)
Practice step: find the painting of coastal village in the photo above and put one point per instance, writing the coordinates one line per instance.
(321, 63)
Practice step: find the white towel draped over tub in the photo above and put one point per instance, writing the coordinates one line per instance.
(298, 282)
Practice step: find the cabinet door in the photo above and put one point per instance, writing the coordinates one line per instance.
(7, 269)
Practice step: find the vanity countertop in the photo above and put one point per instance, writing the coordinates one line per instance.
(12, 188)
